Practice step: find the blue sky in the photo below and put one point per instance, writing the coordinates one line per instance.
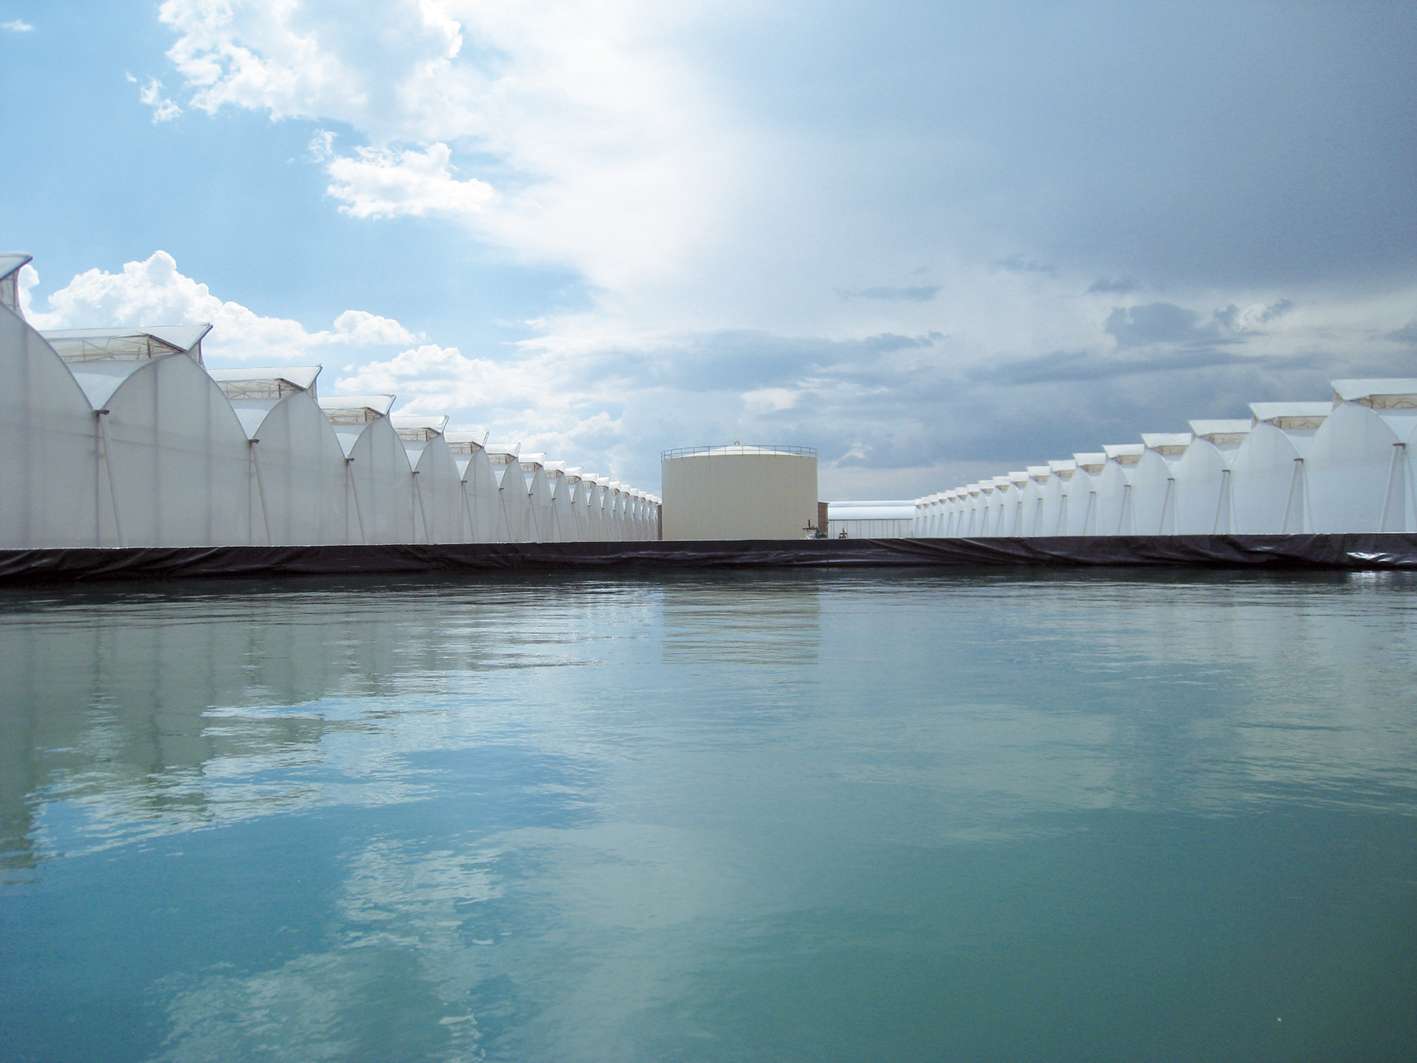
(936, 241)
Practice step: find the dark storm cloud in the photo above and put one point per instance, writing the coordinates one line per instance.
(1160, 323)
(1230, 316)
(741, 360)
(1207, 144)
(1406, 334)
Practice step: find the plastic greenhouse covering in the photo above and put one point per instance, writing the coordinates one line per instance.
(123, 437)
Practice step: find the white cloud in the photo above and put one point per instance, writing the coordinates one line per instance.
(16, 25)
(155, 292)
(364, 329)
(696, 188)
(151, 95)
(531, 399)
(769, 400)
(376, 183)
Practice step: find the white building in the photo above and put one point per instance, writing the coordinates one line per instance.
(739, 492)
(1204, 477)
(1269, 491)
(870, 520)
(1153, 482)
(378, 478)
(437, 482)
(1361, 464)
(297, 483)
(481, 499)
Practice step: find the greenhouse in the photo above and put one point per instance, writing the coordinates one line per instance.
(870, 520)
(538, 493)
(1153, 482)
(1361, 463)
(437, 484)
(514, 504)
(123, 437)
(297, 485)
(1203, 496)
(1269, 492)
(481, 502)
(1040, 501)
(378, 477)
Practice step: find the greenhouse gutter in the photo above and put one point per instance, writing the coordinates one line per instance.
(1349, 551)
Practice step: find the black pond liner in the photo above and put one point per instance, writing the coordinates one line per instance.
(1349, 551)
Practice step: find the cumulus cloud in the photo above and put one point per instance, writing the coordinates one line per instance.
(154, 291)
(151, 96)
(1254, 317)
(710, 212)
(376, 183)
(16, 25)
(536, 400)
(1159, 323)
(770, 400)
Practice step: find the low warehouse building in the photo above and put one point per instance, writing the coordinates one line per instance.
(870, 520)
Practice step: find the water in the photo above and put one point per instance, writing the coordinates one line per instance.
(752, 816)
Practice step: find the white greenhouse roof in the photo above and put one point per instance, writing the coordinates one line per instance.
(1354, 390)
(1123, 451)
(139, 341)
(506, 449)
(1089, 457)
(376, 404)
(1223, 427)
(1063, 464)
(859, 511)
(1001, 481)
(1039, 472)
(10, 265)
(844, 504)
(419, 422)
(464, 438)
(10, 261)
(1274, 411)
(302, 377)
(1154, 440)
(538, 460)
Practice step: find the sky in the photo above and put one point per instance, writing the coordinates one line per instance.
(936, 241)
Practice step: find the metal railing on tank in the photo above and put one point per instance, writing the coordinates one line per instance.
(737, 448)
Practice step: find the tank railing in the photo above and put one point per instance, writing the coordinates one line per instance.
(737, 448)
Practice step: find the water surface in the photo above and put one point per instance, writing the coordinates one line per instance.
(747, 816)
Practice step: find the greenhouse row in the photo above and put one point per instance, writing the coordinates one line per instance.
(1342, 465)
(122, 437)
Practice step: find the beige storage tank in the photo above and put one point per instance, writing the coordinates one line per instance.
(739, 492)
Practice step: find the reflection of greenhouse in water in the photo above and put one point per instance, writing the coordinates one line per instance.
(1346, 465)
(123, 437)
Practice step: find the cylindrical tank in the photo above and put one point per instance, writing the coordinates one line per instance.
(739, 492)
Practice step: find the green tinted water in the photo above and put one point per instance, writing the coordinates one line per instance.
(794, 816)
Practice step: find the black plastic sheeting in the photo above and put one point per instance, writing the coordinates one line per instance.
(1356, 551)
